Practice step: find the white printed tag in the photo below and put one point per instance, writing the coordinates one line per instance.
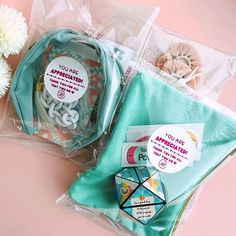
(195, 131)
(66, 79)
(170, 149)
(144, 213)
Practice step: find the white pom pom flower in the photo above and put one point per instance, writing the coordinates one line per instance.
(5, 77)
(13, 31)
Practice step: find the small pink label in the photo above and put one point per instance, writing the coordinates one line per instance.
(66, 79)
(170, 149)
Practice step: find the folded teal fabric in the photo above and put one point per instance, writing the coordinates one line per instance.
(149, 101)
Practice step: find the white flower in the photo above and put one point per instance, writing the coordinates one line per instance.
(5, 77)
(13, 31)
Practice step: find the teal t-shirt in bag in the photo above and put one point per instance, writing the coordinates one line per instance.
(149, 101)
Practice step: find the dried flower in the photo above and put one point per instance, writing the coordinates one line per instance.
(13, 31)
(5, 77)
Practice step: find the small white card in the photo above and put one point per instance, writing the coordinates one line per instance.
(142, 134)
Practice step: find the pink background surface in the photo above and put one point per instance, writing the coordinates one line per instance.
(30, 181)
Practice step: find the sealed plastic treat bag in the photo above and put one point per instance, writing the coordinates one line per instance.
(187, 64)
(164, 145)
(67, 86)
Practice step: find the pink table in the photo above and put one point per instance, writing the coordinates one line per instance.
(28, 207)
